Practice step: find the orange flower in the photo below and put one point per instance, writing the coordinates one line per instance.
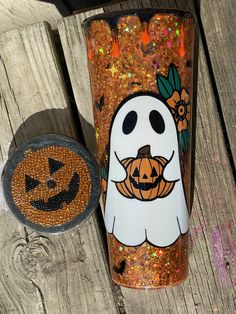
(180, 106)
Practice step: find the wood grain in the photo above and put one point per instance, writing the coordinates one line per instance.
(219, 29)
(14, 14)
(75, 51)
(39, 273)
(210, 287)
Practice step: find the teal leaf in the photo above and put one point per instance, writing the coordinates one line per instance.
(184, 140)
(100, 104)
(104, 173)
(173, 78)
(104, 163)
(164, 86)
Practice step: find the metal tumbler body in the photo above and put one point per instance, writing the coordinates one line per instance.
(141, 72)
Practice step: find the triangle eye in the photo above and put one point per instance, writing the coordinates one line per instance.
(154, 172)
(30, 183)
(136, 172)
(54, 165)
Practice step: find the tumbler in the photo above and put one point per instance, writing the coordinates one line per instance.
(141, 65)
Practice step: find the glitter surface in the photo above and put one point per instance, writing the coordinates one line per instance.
(148, 45)
(147, 266)
(51, 183)
(35, 165)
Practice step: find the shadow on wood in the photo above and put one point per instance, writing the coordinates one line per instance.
(78, 5)
(44, 122)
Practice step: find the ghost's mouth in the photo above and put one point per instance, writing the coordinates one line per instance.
(56, 202)
(145, 186)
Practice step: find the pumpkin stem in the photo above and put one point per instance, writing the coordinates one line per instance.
(144, 152)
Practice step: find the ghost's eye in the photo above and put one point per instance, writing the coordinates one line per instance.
(129, 122)
(157, 122)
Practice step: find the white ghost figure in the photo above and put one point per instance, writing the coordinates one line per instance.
(143, 120)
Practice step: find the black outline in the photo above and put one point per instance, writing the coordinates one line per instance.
(178, 223)
(113, 225)
(146, 240)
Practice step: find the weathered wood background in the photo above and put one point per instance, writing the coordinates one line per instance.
(69, 273)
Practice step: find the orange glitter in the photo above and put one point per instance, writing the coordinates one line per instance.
(89, 49)
(145, 266)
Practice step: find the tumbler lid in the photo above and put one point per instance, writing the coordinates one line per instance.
(51, 183)
(144, 14)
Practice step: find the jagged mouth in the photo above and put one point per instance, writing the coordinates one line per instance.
(145, 186)
(56, 202)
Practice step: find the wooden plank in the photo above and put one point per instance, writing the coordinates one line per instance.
(221, 42)
(75, 51)
(84, 5)
(39, 273)
(14, 14)
(211, 282)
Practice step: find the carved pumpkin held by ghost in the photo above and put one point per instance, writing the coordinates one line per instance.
(51, 183)
(144, 179)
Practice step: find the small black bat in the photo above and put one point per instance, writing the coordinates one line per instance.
(121, 268)
(100, 103)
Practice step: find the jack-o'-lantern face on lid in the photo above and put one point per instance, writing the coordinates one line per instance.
(51, 183)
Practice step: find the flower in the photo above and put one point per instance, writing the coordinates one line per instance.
(180, 106)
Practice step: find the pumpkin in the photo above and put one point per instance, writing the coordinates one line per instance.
(51, 183)
(144, 180)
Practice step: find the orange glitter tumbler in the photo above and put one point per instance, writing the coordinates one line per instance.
(142, 67)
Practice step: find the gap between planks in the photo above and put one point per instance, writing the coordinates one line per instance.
(220, 44)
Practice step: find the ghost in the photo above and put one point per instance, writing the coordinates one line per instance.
(143, 120)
